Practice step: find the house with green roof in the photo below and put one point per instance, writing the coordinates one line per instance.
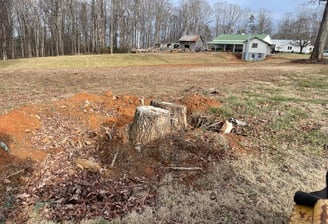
(252, 47)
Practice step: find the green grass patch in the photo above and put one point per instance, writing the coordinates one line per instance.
(223, 111)
(283, 99)
(288, 118)
(315, 138)
(312, 83)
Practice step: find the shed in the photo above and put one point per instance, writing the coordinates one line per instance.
(258, 48)
(192, 42)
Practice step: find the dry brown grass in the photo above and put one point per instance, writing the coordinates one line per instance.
(279, 99)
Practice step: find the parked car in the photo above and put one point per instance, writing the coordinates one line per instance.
(325, 53)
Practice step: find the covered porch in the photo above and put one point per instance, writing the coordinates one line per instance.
(234, 48)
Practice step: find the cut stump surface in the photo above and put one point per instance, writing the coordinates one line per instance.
(178, 113)
(149, 124)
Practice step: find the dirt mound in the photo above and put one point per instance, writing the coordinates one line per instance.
(33, 131)
(199, 103)
(93, 128)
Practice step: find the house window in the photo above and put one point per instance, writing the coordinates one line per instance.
(254, 45)
(290, 48)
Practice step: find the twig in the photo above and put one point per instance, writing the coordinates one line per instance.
(113, 161)
(184, 168)
(212, 125)
(14, 174)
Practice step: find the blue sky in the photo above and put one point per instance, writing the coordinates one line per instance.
(277, 7)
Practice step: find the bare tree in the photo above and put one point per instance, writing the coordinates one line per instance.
(285, 26)
(162, 13)
(264, 22)
(111, 39)
(28, 27)
(301, 28)
(195, 15)
(227, 18)
(6, 27)
(84, 21)
(32, 28)
(319, 45)
(53, 11)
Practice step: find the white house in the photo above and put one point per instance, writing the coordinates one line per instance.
(291, 46)
(258, 48)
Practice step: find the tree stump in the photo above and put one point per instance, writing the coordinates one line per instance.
(150, 123)
(178, 113)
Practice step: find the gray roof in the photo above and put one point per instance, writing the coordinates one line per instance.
(281, 42)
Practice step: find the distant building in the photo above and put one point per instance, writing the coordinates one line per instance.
(291, 46)
(192, 42)
(258, 48)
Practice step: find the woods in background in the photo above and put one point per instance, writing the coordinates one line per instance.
(37, 28)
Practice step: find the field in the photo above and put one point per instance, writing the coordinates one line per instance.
(56, 110)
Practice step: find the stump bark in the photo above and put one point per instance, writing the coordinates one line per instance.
(178, 113)
(150, 123)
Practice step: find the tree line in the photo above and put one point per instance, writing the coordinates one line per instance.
(37, 28)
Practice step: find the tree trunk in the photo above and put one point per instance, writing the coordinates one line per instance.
(319, 45)
(111, 26)
(37, 37)
(150, 123)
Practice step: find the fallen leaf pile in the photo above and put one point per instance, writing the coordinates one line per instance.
(64, 191)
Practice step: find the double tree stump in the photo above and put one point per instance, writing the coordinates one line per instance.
(156, 121)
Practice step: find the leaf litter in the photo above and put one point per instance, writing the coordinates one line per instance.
(118, 179)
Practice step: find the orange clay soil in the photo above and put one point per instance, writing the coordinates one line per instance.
(18, 126)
